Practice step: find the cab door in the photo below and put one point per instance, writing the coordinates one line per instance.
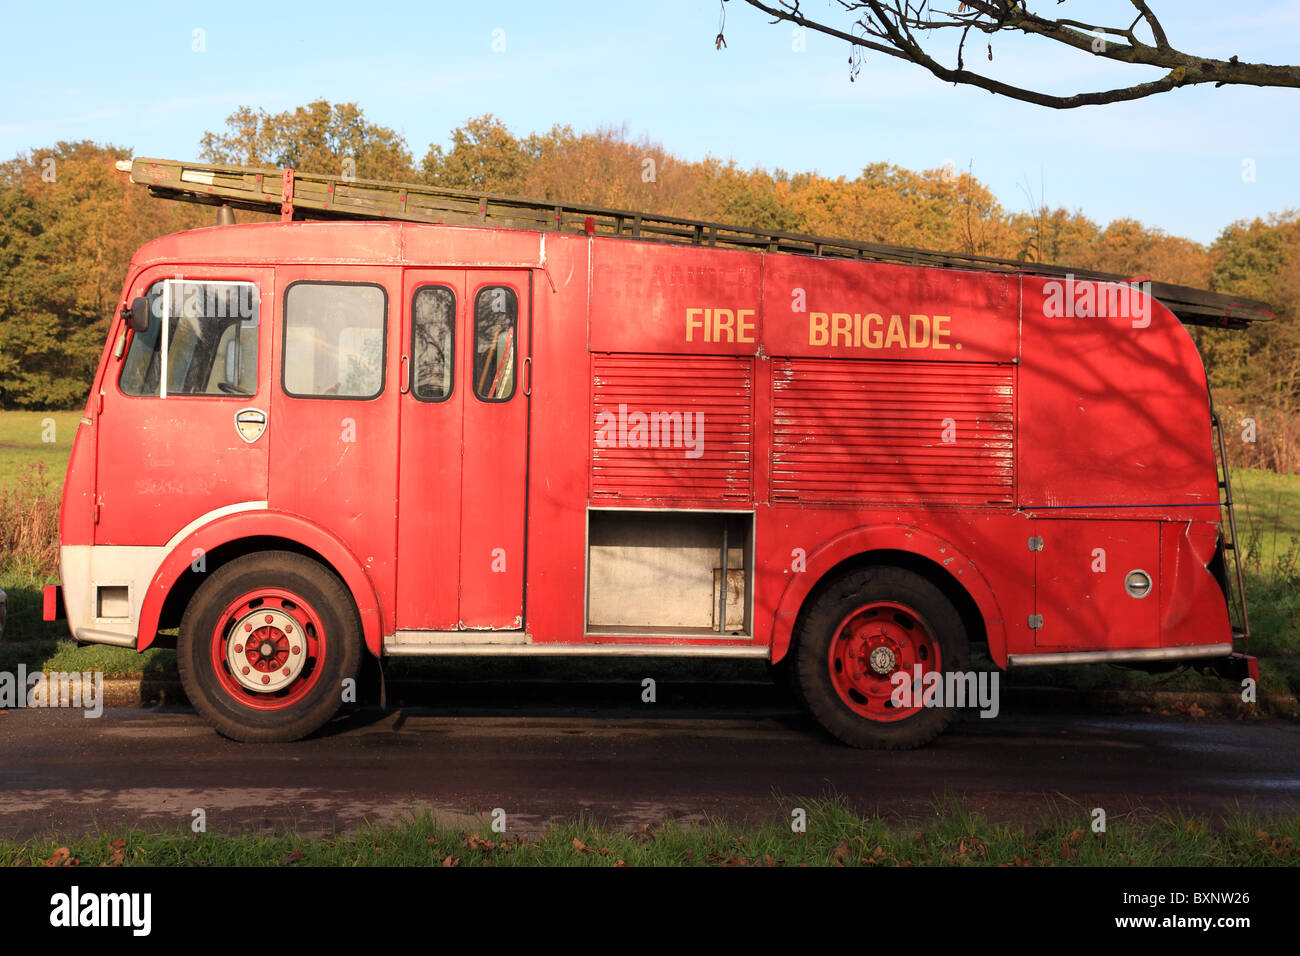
(464, 450)
(334, 422)
(183, 415)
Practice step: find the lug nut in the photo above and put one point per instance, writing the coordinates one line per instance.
(245, 670)
(266, 679)
(248, 627)
(297, 649)
(239, 648)
(288, 629)
(269, 619)
(286, 672)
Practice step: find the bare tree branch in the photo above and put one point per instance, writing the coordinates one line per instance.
(896, 27)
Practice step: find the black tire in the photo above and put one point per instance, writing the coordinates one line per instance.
(830, 607)
(217, 697)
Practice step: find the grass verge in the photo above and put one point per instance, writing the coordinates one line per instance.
(835, 836)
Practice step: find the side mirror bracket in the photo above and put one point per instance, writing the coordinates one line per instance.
(137, 314)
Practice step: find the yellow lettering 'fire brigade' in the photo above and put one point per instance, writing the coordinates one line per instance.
(720, 325)
(874, 331)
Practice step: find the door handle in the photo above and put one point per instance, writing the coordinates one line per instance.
(406, 374)
(528, 376)
(250, 423)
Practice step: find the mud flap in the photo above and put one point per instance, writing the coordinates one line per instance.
(52, 603)
(1236, 668)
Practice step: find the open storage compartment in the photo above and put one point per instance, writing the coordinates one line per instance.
(670, 572)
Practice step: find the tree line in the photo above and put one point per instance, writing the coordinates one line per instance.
(69, 223)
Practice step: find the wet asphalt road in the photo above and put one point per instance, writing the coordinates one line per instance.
(710, 751)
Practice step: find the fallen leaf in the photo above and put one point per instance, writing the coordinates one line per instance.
(840, 853)
(117, 854)
(292, 858)
(62, 857)
(451, 861)
(475, 842)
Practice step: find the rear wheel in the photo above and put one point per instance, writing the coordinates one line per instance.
(265, 646)
(867, 633)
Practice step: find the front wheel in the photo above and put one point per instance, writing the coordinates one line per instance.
(868, 633)
(266, 645)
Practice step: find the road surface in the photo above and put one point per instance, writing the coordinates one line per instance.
(710, 750)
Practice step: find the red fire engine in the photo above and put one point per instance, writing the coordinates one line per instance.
(497, 427)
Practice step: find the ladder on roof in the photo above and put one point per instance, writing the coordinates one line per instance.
(296, 195)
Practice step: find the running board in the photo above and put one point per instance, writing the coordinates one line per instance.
(571, 650)
(1102, 657)
(88, 635)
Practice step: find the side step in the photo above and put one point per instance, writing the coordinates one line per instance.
(1193, 652)
(393, 649)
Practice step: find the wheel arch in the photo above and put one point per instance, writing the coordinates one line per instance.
(233, 536)
(925, 553)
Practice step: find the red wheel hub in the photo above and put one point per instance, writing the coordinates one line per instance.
(267, 649)
(871, 646)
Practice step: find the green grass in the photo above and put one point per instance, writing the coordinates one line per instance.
(835, 836)
(1268, 511)
(24, 440)
(24, 591)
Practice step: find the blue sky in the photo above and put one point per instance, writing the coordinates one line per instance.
(128, 75)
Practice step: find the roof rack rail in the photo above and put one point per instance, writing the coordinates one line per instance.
(297, 195)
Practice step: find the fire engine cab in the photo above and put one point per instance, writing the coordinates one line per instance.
(434, 423)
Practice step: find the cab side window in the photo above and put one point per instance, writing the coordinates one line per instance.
(210, 339)
(334, 340)
(496, 322)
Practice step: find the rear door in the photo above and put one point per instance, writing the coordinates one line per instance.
(464, 434)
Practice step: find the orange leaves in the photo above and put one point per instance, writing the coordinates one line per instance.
(116, 853)
(584, 850)
(62, 857)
